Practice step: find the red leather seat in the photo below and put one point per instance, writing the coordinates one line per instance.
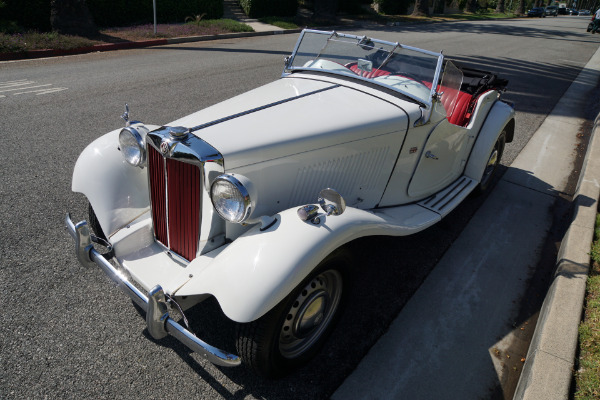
(456, 113)
(459, 115)
(367, 74)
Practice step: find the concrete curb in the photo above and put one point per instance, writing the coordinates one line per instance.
(136, 45)
(548, 369)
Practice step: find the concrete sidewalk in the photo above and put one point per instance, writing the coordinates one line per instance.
(455, 338)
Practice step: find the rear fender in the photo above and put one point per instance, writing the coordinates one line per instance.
(117, 191)
(500, 118)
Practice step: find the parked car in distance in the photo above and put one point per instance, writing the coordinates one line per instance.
(254, 202)
(537, 12)
(563, 11)
(584, 12)
(551, 11)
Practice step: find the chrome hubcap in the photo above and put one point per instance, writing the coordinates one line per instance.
(310, 314)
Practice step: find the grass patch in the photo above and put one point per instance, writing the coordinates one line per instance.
(21, 42)
(194, 28)
(587, 377)
(227, 25)
(281, 22)
(18, 42)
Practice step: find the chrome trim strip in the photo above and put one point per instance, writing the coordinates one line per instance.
(89, 254)
(253, 110)
(164, 165)
(436, 79)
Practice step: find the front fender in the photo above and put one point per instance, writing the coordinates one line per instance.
(500, 117)
(117, 191)
(260, 268)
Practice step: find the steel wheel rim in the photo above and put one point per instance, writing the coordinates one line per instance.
(310, 314)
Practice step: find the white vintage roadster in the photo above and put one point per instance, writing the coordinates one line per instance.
(252, 200)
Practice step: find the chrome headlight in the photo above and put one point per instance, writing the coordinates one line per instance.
(132, 146)
(230, 196)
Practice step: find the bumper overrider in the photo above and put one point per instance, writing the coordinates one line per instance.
(159, 323)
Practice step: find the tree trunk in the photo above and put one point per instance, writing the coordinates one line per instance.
(472, 6)
(439, 6)
(325, 10)
(71, 17)
(521, 8)
(421, 8)
(500, 7)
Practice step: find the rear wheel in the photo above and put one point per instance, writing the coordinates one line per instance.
(491, 166)
(290, 334)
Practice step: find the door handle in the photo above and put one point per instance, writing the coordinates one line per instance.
(431, 155)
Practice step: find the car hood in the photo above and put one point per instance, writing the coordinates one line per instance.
(292, 116)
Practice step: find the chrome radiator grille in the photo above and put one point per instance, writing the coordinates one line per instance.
(175, 189)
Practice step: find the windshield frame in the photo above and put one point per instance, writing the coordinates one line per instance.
(427, 102)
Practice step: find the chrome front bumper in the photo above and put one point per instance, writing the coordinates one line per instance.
(154, 304)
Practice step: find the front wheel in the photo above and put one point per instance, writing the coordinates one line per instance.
(491, 166)
(291, 333)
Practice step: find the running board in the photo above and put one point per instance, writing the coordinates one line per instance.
(446, 200)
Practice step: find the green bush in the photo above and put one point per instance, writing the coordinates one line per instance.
(393, 7)
(110, 13)
(267, 8)
(350, 6)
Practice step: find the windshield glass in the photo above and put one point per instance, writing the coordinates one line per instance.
(449, 90)
(405, 69)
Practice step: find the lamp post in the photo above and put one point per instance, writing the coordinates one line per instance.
(154, 7)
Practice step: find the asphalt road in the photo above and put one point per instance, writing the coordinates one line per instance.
(69, 333)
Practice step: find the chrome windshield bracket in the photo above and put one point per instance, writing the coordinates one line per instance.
(425, 116)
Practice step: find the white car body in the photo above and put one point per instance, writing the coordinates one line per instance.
(384, 143)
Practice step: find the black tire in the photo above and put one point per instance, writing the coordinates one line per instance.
(590, 26)
(491, 167)
(94, 224)
(290, 334)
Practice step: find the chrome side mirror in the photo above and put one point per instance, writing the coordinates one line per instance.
(332, 202)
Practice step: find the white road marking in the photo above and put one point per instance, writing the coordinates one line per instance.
(31, 87)
(25, 86)
(43, 91)
(14, 83)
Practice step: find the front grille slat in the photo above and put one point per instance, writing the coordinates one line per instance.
(175, 203)
(158, 195)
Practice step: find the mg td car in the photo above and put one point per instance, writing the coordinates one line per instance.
(252, 201)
